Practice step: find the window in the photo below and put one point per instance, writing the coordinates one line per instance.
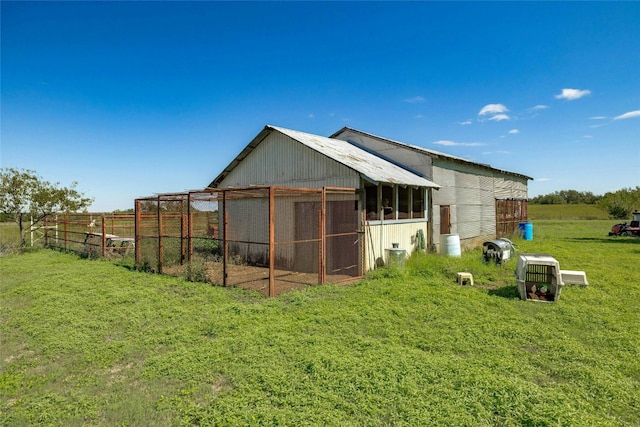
(403, 203)
(371, 201)
(417, 211)
(396, 202)
(388, 202)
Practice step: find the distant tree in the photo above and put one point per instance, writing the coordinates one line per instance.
(24, 194)
(572, 197)
(620, 204)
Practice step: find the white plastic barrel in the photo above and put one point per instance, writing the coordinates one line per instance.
(450, 245)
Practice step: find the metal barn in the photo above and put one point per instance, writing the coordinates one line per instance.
(393, 200)
(475, 201)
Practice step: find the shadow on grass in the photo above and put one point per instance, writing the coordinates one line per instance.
(612, 239)
(510, 292)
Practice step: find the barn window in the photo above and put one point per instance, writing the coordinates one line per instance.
(397, 202)
(403, 203)
(417, 210)
(371, 201)
(388, 202)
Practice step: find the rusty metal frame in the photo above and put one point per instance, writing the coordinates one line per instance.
(223, 196)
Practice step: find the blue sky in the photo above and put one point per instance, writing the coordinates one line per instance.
(135, 98)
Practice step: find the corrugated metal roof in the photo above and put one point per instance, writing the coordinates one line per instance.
(432, 153)
(370, 166)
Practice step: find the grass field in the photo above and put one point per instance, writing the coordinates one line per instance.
(88, 342)
(566, 212)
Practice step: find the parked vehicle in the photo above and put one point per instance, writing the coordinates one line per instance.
(624, 229)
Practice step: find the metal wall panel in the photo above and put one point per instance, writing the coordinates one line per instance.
(396, 152)
(379, 237)
(280, 160)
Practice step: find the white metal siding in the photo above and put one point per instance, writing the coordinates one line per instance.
(380, 237)
(280, 160)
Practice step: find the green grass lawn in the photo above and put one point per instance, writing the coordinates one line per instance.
(88, 342)
(566, 212)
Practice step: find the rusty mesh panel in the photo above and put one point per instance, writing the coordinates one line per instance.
(205, 210)
(297, 238)
(147, 250)
(173, 234)
(343, 243)
(223, 237)
(246, 243)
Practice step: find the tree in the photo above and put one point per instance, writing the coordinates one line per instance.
(621, 203)
(23, 193)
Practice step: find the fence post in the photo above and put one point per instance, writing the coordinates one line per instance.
(225, 242)
(160, 254)
(183, 232)
(272, 243)
(65, 231)
(322, 231)
(104, 236)
(136, 228)
(189, 230)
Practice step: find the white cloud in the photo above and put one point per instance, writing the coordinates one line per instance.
(447, 143)
(465, 123)
(493, 109)
(539, 107)
(310, 116)
(499, 117)
(542, 179)
(629, 115)
(597, 118)
(514, 131)
(587, 136)
(572, 94)
(415, 100)
(489, 153)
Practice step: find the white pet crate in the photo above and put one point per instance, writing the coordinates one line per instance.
(538, 277)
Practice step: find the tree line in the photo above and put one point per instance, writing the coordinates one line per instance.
(619, 204)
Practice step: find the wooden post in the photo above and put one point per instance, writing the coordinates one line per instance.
(272, 243)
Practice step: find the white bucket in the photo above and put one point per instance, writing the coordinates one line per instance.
(450, 245)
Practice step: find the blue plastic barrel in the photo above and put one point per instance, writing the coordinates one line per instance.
(521, 228)
(528, 231)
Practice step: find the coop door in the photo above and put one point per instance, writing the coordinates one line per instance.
(445, 219)
(342, 242)
(307, 237)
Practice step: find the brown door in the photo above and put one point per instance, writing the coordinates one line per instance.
(342, 250)
(307, 233)
(445, 219)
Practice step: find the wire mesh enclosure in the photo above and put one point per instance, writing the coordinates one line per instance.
(90, 234)
(269, 239)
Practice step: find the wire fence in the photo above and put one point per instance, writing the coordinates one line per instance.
(269, 239)
(88, 234)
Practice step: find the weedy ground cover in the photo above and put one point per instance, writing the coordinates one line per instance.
(89, 342)
(566, 212)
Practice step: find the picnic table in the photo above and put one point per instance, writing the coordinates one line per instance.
(112, 242)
